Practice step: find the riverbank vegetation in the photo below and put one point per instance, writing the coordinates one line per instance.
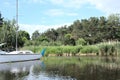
(79, 37)
(101, 49)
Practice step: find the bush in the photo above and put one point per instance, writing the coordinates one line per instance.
(89, 49)
(80, 41)
(107, 49)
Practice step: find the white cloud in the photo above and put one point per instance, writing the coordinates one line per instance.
(107, 6)
(35, 1)
(54, 12)
(69, 3)
(60, 12)
(41, 28)
(8, 4)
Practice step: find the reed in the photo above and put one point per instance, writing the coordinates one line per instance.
(104, 49)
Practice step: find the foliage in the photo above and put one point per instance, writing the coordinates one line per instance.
(80, 41)
(1, 20)
(35, 35)
(104, 49)
(23, 36)
(8, 35)
(68, 40)
(55, 50)
(107, 49)
(89, 49)
(86, 31)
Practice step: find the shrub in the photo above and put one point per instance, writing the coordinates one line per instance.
(80, 41)
(89, 49)
(107, 49)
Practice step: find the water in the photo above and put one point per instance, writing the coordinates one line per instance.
(29, 70)
(40, 70)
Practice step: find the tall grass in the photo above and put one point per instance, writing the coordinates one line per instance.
(90, 49)
(106, 49)
(55, 50)
(103, 49)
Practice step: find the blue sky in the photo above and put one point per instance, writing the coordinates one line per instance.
(44, 14)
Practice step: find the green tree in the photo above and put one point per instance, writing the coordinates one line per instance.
(35, 35)
(77, 28)
(80, 41)
(68, 40)
(1, 20)
(23, 36)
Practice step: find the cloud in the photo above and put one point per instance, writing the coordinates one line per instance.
(35, 1)
(7, 4)
(59, 12)
(69, 3)
(41, 28)
(54, 12)
(107, 6)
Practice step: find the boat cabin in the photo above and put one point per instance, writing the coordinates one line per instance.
(21, 52)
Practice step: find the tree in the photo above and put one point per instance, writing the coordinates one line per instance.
(77, 28)
(113, 26)
(35, 35)
(23, 36)
(102, 21)
(80, 41)
(92, 30)
(8, 35)
(52, 34)
(1, 20)
(61, 33)
(68, 40)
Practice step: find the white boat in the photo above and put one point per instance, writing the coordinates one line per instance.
(18, 56)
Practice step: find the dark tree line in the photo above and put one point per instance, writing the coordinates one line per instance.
(92, 30)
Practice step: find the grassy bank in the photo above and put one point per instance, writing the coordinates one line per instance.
(104, 49)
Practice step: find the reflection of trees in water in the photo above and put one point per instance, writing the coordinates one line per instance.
(36, 70)
(87, 72)
(20, 70)
(7, 75)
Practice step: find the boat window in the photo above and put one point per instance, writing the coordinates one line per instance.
(20, 53)
(28, 52)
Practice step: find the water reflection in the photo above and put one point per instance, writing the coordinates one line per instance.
(37, 70)
(15, 71)
(29, 70)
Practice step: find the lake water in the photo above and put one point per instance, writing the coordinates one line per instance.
(38, 70)
(29, 70)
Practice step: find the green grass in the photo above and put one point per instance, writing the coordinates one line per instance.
(104, 49)
(90, 49)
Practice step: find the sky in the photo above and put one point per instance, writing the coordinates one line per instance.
(42, 15)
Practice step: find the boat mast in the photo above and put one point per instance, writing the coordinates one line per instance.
(16, 22)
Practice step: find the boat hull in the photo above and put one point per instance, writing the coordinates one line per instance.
(4, 58)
